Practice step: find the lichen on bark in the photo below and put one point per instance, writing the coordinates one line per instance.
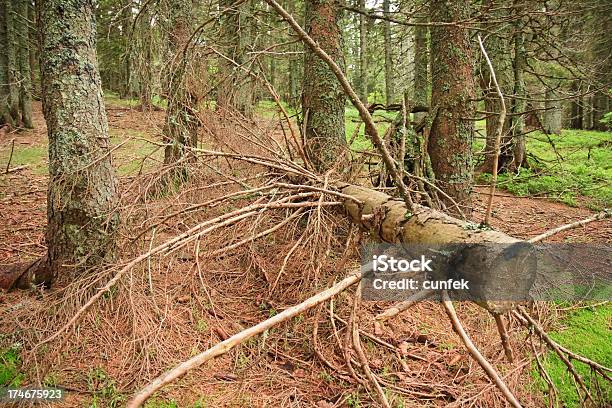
(453, 94)
(82, 196)
(323, 97)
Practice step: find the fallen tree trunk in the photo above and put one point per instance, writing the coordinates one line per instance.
(500, 269)
(388, 220)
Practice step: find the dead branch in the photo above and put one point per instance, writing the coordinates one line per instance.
(503, 335)
(599, 216)
(365, 366)
(181, 240)
(524, 317)
(226, 345)
(8, 164)
(498, 134)
(475, 353)
(558, 351)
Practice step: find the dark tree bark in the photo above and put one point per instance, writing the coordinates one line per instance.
(294, 75)
(453, 94)
(12, 58)
(126, 27)
(323, 97)
(82, 198)
(33, 36)
(25, 77)
(235, 90)
(498, 46)
(5, 114)
(601, 106)
(15, 75)
(519, 103)
(144, 62)
(421, 67)
(576, 108)
(389, 94)
(363, 55)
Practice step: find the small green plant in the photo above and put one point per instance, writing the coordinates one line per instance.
(607, 120)
(242, 360)
(325, 376)
(104, 388)
(201, 325)
(155, 403)
(10, 364)
(353, 400)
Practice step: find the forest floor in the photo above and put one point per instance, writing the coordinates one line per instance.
(279, 372)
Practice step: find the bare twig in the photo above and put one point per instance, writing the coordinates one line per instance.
(526, 318)
(596, 217)
(557, 350)
(503, 334)
(8, 164)
(475, 353)
(361, 355)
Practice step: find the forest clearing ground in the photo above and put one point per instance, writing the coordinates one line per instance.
(274, 369)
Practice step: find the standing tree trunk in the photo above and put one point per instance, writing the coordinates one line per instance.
(363, 54)
(180, 129)
(5, 114)
(126, 27)
(553, 114)
(12, 62)
(82, 198)
(33, 38)
(450, 144)
(577, 107)
(388, 56)
(294, 74)
(519, 103)
(144, 59)
(25, 77)
(497, 46)
(421, 64)
(235, 90)
(601, 106)
(322, 95)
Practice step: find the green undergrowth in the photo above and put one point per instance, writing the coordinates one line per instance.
(587, 332)
(352, 120)
(134, 155)
(579, 165)
(10, 367)
(35, 157)
(113, 99)
(269, 109)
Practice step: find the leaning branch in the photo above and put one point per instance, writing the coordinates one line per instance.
(498, 133)
(226, 345)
